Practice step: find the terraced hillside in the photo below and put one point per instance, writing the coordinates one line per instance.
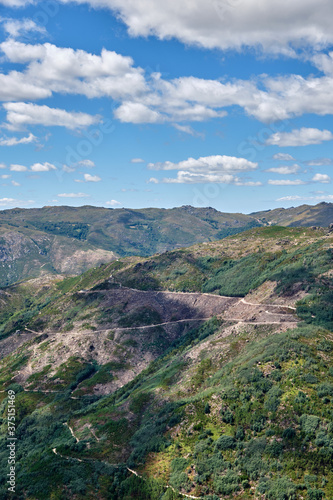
(204, 372)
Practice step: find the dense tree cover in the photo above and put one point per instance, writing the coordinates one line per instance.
(77, 230)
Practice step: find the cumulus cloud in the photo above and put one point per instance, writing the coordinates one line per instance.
(150, 98)
(73, 195)
(6, 201)
(20, 114)
(323, 178)
(283, 157)
(4, 176)
(42, 167)
(285, 170)
(15, 86)
(113, 203)
(91, 178)
(286, 182)
(216, 163)
(300, 137)
(136, 112)
(269, 25)
(196, 99)
(3, 165)
(18, 27)
(218, 168)
(14, 141)
(70, 71)
(18, 168)
(36, 167)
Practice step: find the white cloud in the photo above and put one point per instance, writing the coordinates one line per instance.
(15, 183)
(16, 3)
(323, 178)
(86, 163)
(248, 183)
(11, 201)
(15, 86)
(18, 168)
(91, 178)
(184, 177)
(14, 141)
(216, 168)
(5, 176)
(18, 27)
(283, 157)
(300, 137)
(20, 114)
(42, 167)
(290, 198)
(151, 99)
(271, 25)
(285, 170)
(324, 62)
(196, 99)
(2, 165)
(319, 162)
(73, 195)
(153, 180)
(70, 71)
(113, 203)
(137, 160)
(7, 201)
(286, 182)
(186, 129)
(216, 163)
(68, 169)
(136, 112)
(323, 196)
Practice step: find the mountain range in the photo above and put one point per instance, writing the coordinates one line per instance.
(199, 372)
(69, 240)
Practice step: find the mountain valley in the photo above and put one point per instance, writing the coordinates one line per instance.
(201, 372)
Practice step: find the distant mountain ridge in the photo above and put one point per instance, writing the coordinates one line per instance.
(69, 240)
(304, 215)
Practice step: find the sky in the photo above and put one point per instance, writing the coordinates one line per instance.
(148, 103)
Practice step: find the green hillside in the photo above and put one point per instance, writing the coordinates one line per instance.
(70, 240)
(205, 372)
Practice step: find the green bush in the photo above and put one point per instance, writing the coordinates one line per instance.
(225, 443)
(309, 424)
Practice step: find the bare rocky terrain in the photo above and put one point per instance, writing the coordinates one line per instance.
(132, 347)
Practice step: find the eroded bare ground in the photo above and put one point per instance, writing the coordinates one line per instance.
(10, 344)
(132, 348)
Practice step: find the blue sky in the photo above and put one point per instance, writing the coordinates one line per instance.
(137, 103)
